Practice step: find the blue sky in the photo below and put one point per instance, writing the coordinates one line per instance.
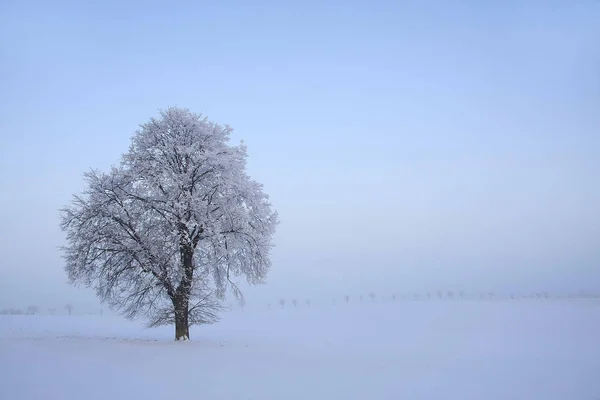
(407, 145)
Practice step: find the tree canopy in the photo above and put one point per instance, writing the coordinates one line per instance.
(162, 234)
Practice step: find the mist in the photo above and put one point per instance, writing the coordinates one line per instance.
(407, 147)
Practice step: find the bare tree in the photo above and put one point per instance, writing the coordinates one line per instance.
(416, 296)
(361, 298)
(450, 294)
(307, 302)
(440, 294)
(163, 234)
(51, 311)
(347, 298)
(31, 310)
(69, 308)
(281, 302)
(393, 297)
(429, 295)
(462, 294)
(372, 296)
(102, 311)
(294, 302)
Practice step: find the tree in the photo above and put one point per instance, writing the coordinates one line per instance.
(450, 294)
(282, 302)
(393, 297)
(372, 296)
(51, 311)
(440, 294)
(462, 294)
(11, 311)
(429, 295)
(32, 310)
(294, 302)
(162, 234)
(69, 308)
(308, 302)
(347, 298)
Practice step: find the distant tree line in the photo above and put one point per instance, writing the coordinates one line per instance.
(36, 310)
(441, 295)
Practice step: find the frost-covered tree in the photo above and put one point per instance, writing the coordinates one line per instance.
(347, 298)
(294, 303)
(308, 302)
(69, 308)
(32, 310)
(372, 296)
(163, 234)
(282, 302)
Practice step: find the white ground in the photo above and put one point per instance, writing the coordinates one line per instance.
(508, 350)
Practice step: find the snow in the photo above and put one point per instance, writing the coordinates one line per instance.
(522, 349)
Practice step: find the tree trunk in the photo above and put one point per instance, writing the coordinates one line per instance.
(181, 300)
(182, 327)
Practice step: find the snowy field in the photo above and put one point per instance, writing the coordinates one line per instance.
(521, 349)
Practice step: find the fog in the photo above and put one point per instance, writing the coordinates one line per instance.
(407, 146)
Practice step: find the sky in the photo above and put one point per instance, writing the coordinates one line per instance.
(408, 146)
